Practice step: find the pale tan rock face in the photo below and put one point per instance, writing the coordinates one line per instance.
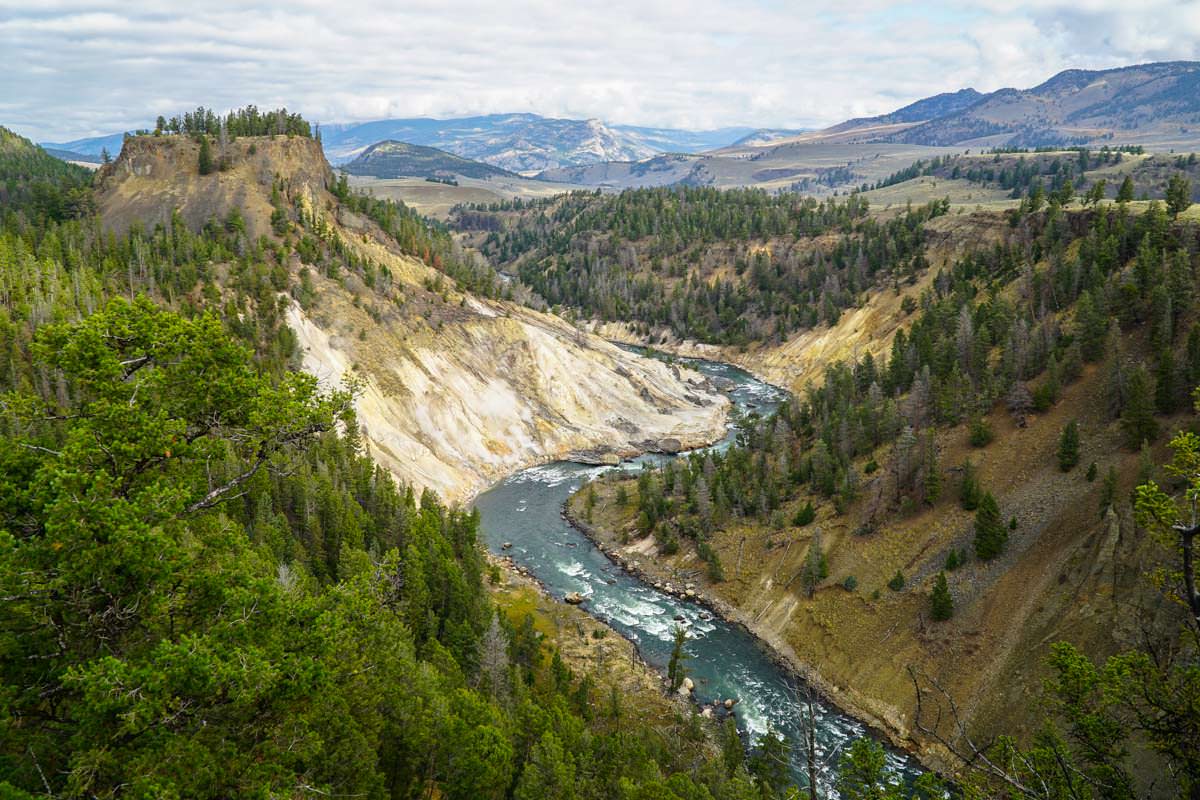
(495, 394)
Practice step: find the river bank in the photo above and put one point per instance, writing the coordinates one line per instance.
(652, 573)
(522, 517)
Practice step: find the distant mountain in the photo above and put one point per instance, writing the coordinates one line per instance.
(68, 155)
(1149, 104)
(390, 159)
(939, 105)
(526, 143)
(1156, 105)
(760, 137)
(676, 140)
(92, 146)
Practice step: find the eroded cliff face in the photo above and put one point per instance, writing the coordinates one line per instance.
(455, 391)
(498, 390)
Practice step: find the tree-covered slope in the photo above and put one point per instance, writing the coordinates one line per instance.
(960, 488)
(726, 267)
(209, 590)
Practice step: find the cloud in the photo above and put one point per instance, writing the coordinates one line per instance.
(89, 67)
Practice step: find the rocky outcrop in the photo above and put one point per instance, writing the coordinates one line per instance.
(455, 391)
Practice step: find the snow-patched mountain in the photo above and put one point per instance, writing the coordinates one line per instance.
(525, 143)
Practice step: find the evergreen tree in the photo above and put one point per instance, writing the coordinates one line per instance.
(941, 604)
(862, 773)
(933, 473)
(805, 515)
(677, 666)
(1091, 328)
(1137, 416)
(968, 488)
(1108, 491)
(990, 531)
(1068, 447)
(206, 159)
(1125, 193)
(1179, 195)
(733, 750)
(769, 764)
(816, 567)
(549, 773)
(1166, 395)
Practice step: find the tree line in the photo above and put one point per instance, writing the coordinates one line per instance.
(727, 267)
(246, 121)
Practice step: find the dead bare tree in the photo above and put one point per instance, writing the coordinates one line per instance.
(1020, 775)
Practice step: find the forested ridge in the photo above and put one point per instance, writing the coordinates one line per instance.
(209, 591)
(720, 266)
(1071, 174)
(1005, 325)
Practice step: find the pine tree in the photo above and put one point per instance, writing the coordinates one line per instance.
(968, 488)
(990, 532)
(1068, 447)
(1125, 193)
(941, 604)
(1091, 328)
(206, 161)
(933, 473)
(1179, 195)
(816, 566)
(677, 666)
(1166, 395)
(1137, 417)
(1108, 491)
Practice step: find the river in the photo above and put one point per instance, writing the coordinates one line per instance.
(726, 660)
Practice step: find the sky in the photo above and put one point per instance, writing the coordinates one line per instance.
(74, 69)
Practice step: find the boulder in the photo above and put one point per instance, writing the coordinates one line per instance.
(670, 445)
(574, 598)
(689, 685)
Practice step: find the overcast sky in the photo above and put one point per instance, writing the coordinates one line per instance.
(74, 69)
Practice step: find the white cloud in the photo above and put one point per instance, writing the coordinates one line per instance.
(87, 67)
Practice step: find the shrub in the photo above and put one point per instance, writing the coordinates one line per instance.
(897, 581)
(805, 515)
(952, 561)
(1092, 471)
(1044, 397)
(980, 432)
(850, 584)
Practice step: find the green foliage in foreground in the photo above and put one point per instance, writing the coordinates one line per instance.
(153, 644)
